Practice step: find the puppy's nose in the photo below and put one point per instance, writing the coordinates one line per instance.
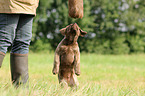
(75, 24)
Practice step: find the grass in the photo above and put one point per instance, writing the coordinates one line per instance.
(101, 75)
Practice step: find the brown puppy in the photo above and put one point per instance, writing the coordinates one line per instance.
(75, 8)
(67, 56)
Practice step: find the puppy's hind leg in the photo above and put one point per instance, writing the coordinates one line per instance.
(74, 82)
(62, 82)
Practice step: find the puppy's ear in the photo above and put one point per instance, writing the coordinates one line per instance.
(63, 31)
(82, 33)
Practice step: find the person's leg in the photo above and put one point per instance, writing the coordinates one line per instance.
(20, 49)
(8, 24)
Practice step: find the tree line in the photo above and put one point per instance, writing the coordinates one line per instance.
(113, 26)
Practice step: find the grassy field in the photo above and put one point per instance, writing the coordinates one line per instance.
(101, 75)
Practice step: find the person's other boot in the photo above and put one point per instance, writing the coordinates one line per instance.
(2, 55)
(19, 69)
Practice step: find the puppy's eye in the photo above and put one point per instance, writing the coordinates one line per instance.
(74, 32)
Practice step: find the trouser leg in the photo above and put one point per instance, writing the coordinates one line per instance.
(23, 35)
(8, 24)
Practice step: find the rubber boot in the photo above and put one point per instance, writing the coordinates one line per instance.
(2, 55)
(19, 69)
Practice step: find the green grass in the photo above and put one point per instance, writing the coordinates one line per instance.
(101, 75)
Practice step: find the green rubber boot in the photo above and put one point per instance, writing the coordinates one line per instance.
(19, 69)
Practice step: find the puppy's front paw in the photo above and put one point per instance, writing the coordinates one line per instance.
(78, 74)
(55, 71)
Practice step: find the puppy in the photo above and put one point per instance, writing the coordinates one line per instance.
(67, 56)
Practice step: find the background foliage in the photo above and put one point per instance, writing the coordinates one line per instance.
(113, 26)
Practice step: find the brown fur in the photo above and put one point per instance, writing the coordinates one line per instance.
(75, 8)
(67, 56)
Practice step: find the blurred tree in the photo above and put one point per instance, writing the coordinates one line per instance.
(120, 23)
(39, 27)
(134, 19)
